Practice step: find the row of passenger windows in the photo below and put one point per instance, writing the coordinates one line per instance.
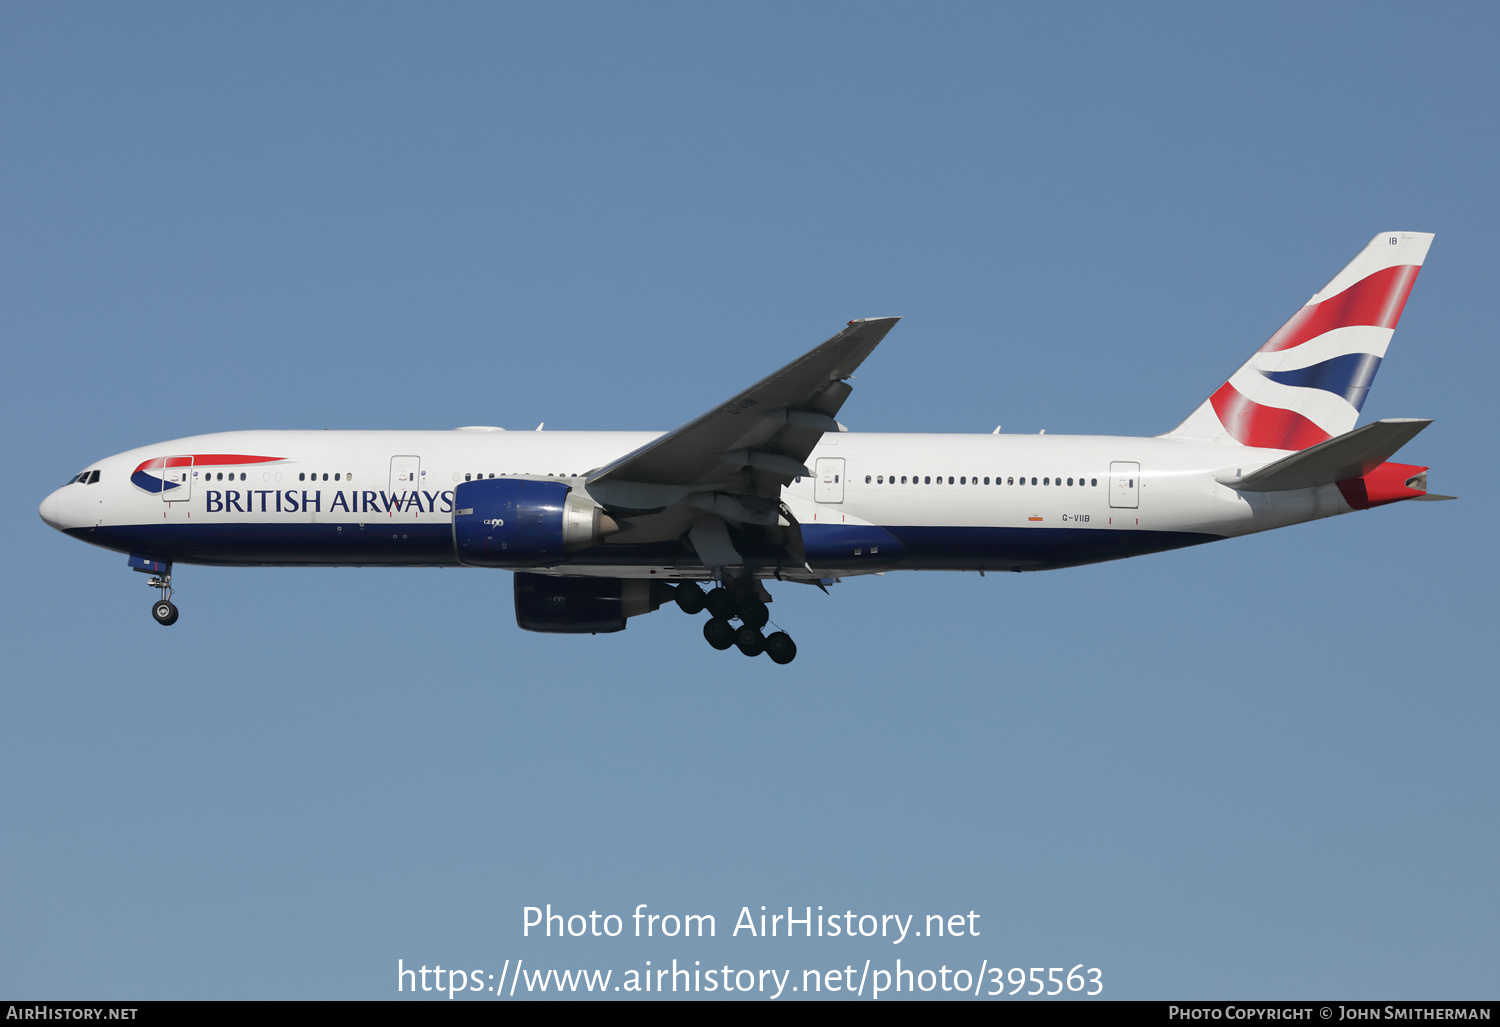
(481, 475)
(919, 479)
(302, 476)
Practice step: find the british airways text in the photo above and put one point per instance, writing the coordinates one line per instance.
(302, 501)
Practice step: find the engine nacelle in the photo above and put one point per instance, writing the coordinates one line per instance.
(580, 606)
(514, 522)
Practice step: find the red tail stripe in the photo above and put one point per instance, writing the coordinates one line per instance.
(1376, 300)
(1251, 424)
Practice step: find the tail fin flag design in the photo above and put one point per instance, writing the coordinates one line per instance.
(1309, 381)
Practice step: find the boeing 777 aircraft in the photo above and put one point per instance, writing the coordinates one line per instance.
(603, 526)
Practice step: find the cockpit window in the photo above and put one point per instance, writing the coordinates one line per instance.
(93, 477)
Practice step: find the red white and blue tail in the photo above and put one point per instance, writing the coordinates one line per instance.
(1308, 382)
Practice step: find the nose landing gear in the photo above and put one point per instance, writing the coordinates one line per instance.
(164, 610)
(737, 600)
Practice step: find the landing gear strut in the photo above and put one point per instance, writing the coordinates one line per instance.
(742, 601)
(164, 610)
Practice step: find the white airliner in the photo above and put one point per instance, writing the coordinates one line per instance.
(603, 526)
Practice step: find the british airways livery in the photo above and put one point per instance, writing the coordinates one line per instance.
(603, 526)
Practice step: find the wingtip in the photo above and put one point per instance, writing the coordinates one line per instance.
(868, 320)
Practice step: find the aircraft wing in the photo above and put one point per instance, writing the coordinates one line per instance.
(730, 464)
(758, 440)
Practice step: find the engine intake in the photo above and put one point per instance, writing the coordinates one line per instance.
(515, 522)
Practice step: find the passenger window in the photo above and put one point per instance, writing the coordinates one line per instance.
(302, 476)
(1094, 482)
(468, 477)
(1070, 481)
(1033, 481)
(962, 481)
(867, 479)
(928, 481)
(903, 479)
(335, 477)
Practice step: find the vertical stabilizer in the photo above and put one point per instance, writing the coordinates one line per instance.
(1308, 382)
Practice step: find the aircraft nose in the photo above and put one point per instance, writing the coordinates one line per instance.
(52, 510)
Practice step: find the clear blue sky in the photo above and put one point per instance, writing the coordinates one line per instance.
(1260, 768)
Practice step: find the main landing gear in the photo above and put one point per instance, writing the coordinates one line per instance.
(164, 610)
(730, 602)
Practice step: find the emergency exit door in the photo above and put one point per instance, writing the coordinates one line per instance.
(828, 483)
(1125, 485)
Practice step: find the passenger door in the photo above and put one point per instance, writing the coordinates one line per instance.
(1125, 485)
(406, 474)
(177, 470)
(828, 483)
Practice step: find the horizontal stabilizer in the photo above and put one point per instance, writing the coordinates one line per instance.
(1352, 455)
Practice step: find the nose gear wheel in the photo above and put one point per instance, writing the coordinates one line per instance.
(164, 610)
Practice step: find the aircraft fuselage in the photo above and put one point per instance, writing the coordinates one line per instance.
(899, 501)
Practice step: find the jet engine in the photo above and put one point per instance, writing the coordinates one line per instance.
(584, 605)
(516, 522)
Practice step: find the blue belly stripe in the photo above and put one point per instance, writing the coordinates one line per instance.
(829, 546)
